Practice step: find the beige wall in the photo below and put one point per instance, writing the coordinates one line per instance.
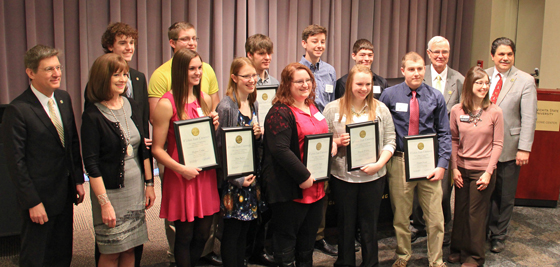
(550, 51)
(529, 35)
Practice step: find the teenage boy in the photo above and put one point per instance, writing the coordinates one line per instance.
(417, 109)
(259, 49)
(314, 41)
(362, 53)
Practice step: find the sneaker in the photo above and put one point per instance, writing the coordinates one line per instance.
(400, 263)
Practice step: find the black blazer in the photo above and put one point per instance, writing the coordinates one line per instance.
(139, 94)
(42, 170)
(105, 148)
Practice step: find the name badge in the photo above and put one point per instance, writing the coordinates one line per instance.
(329, 88)
(377, 89)
(464, 118)
(199, 111)
(402, 107)
(319, 116)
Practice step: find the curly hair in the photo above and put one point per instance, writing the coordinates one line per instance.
(114, 30)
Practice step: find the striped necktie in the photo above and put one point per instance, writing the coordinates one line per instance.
(56, 120)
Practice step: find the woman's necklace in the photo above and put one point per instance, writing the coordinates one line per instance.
(359, 114)
(475, 118)
(129, 149)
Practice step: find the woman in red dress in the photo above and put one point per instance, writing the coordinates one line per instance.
(190, 195)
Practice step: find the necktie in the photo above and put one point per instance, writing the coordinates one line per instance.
(414, 119)
(129, 92)
(497, 90)
(438, 84)
(56, 120)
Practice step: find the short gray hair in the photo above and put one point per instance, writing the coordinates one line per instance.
(437, 39)
(39, 52)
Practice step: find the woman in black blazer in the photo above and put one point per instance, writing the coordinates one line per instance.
(117, 162)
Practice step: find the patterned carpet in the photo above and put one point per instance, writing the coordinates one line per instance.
(534, 240)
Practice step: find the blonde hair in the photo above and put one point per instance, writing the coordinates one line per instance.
(346, 100)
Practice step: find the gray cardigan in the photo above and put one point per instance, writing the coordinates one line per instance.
(228, 115)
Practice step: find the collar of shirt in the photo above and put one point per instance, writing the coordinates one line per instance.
(266, 79)
(443, 75)
(494, 80)
(312, 67)
(44, 100)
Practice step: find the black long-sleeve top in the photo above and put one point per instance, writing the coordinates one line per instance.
(104, 146)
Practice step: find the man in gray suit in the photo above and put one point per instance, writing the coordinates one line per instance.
(450, 83)
(515, 92)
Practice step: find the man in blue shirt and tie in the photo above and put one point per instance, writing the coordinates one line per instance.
(417, 109)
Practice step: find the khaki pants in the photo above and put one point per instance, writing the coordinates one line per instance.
(429, 196)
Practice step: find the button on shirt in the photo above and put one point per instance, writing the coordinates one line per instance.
(325, 75)
(433, 116)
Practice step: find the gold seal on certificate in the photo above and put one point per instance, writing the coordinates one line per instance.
(238, 152)
(196, 143)
(364, 144)
(265, 95)
(318, 160)
(420, 156)
(195, 131)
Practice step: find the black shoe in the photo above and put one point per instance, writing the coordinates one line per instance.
(326, 248)
(357, 245)
(416, 234)
(446, 239)
(262, 259)
(213, 259)
(497, 246)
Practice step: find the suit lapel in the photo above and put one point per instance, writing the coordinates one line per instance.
(62, 107)
(449, 84)
(38, 109)
(508, 84)
(136, 86)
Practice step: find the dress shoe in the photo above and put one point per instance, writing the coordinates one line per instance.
(416, 234)
(468, 264)
(400, 263)
(443, 264)
(262, 259)
(326, 248)
(357, 245)
(446, 239)
(454, 258)
(497, 246)
(213, 259)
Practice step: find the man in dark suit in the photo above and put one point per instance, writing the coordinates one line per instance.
(450, 83)
(43, 155)
(515, 92)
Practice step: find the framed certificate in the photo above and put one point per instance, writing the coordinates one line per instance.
(196, 143)
(265, 95)
(420, 155)
(364, 144)
(239, 158)
(317, 155)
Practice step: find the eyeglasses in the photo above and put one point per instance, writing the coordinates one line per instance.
(481, 83)
(187, 39)
(53, 68)
(301, 82)
(249, 76)
(437, 52)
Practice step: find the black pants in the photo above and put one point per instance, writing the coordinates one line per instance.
(357, 204)
(49, 244)
(503, 199)
(471, 208)
(234, 240)
(190, 238)
(260, 231)
(417, 213)
(295, 227)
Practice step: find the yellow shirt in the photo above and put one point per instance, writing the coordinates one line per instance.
(160, 82)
